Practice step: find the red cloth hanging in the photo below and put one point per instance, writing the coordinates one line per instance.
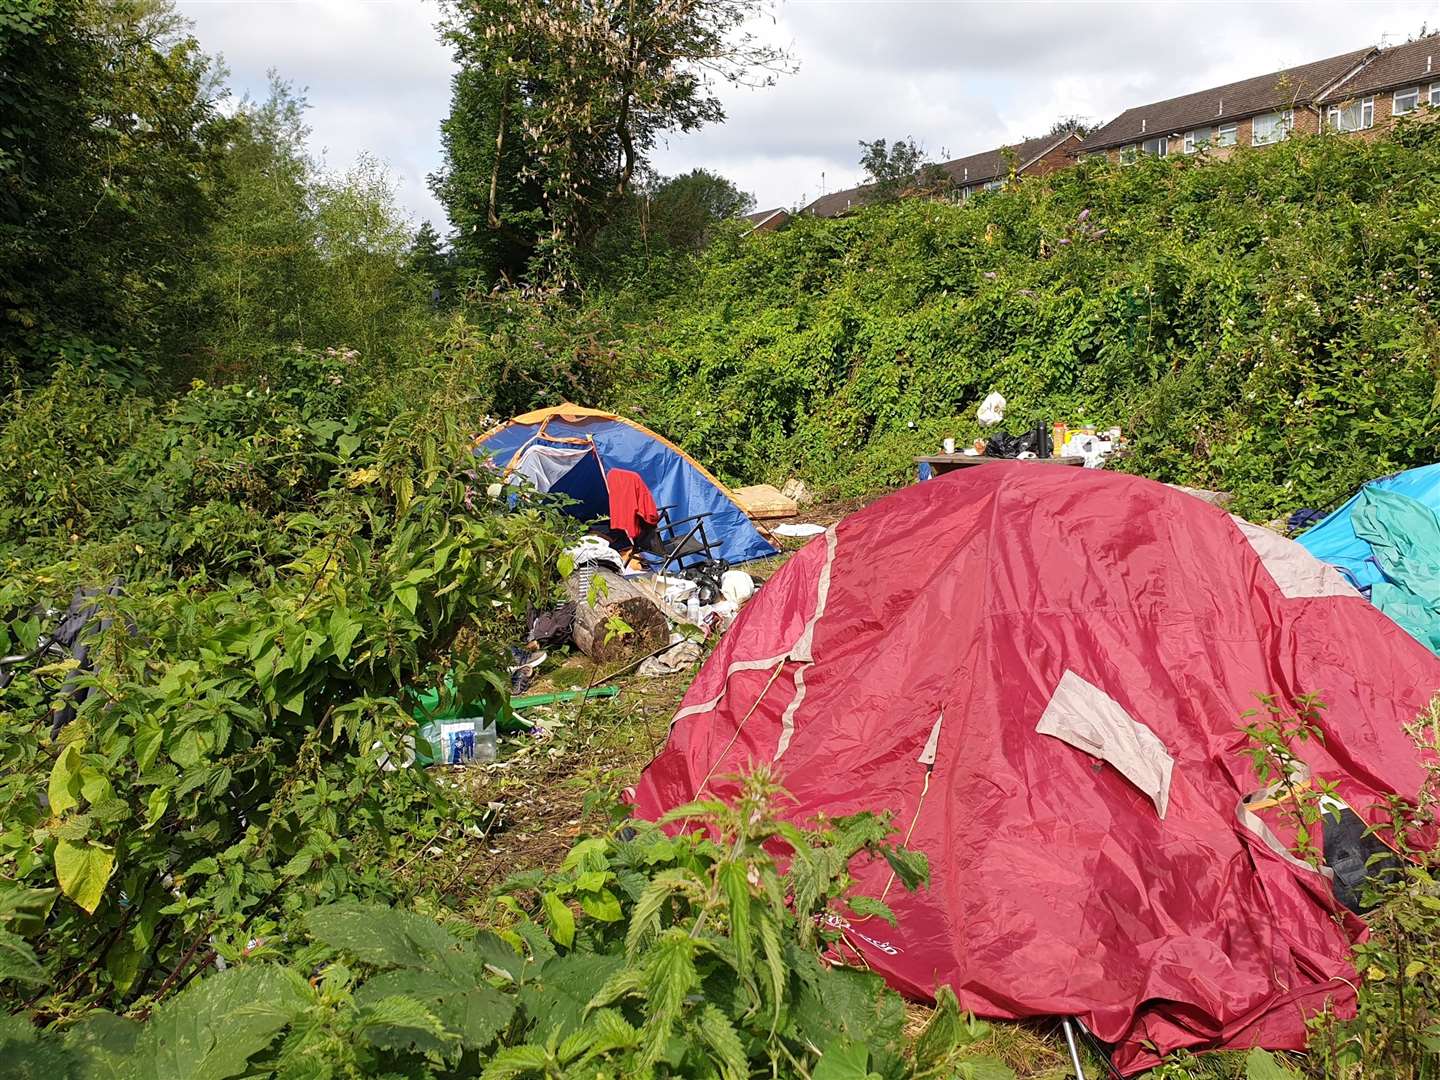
(632, 507)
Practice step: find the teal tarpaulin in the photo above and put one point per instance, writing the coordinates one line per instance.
(1334, 540)
(1404, 539)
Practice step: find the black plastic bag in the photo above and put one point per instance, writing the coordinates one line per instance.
(1035, 441)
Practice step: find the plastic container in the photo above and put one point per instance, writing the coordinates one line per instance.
(467, 740)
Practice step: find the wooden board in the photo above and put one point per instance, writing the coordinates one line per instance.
(946, 462)
(764, 501)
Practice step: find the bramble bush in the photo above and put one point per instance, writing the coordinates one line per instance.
(1263, 324)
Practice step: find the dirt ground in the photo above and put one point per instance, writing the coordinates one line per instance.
(539, 783)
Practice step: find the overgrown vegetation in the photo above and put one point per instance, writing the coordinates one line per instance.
(645, 954)
(1264, 325)
(245, 387)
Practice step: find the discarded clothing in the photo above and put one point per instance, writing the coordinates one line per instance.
(632, 507)
(553, 626)
(674, 659)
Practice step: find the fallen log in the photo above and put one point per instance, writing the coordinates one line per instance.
(615, 598)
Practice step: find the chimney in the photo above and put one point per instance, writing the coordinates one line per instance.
(1142, 125)
(1429, 63)
(1220, 108)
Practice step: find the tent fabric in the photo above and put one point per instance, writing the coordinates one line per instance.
(1057, 888)
(673, 477)
(1404, 537)
(1334, 540)
(545, 466)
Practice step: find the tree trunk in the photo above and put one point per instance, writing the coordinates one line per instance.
(649, 628)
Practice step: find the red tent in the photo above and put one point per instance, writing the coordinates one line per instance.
(1040, 673)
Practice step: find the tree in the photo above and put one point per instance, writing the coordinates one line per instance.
(562, 100)
(891, 169)
(109, 158)
(298, 256)
(431, 263)
(1080, 125)
(685, 209)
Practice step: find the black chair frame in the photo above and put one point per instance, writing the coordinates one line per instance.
(674, 540)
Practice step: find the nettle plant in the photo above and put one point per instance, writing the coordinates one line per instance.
(230, 768)
(698, 954)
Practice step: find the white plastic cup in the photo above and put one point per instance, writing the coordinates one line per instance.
(949, 446)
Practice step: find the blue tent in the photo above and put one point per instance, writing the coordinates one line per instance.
(568, 449)
(1334, 540)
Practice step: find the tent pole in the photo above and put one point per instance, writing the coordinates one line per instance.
(1074, 1051)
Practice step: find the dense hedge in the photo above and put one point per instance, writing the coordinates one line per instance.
(1261, 324)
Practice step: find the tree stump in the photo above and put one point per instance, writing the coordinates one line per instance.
(616, 598)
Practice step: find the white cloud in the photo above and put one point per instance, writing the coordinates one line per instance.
(960, 77)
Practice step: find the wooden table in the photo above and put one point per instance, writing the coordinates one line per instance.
(943, 463)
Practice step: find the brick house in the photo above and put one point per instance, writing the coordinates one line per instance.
(1391, 83)
(766, 220)
(1359, 91)
(966, 176)
(1252, 112)
(990, 170)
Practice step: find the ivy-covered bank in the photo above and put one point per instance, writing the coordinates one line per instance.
(1264, 324)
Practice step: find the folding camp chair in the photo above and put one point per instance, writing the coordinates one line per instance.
(675, 540)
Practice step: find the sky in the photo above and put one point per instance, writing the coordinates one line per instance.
(959, 77)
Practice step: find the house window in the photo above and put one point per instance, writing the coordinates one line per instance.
(1407, 100)
(994, 185)
(1435, 93)
(1223, 135)
(1130, 154)
(1271, 127)
(1158, 147)
(1354, 115)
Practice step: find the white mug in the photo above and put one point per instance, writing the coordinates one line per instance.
(949, 446)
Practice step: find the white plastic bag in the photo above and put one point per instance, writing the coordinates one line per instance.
(737, 586)
(992, 410)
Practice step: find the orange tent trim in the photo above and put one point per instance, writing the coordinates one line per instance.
(567, 411)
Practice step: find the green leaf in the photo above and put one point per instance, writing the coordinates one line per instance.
(602, 905)
(560, 919)
(385, 937)
(402, 1023)
(83, 869)
(943, 1033)
(17, 960)
(1263, 1065)
(156, 804)
(122, 961)
(515, 1061)
(343, 632)
(556, 999)
(911, 867)
(471, 1009)
(210, 1030)
(495, 954)
(731, 876)
(64, 789)
(720, 1036)
(843, 1060)
(867, 907)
